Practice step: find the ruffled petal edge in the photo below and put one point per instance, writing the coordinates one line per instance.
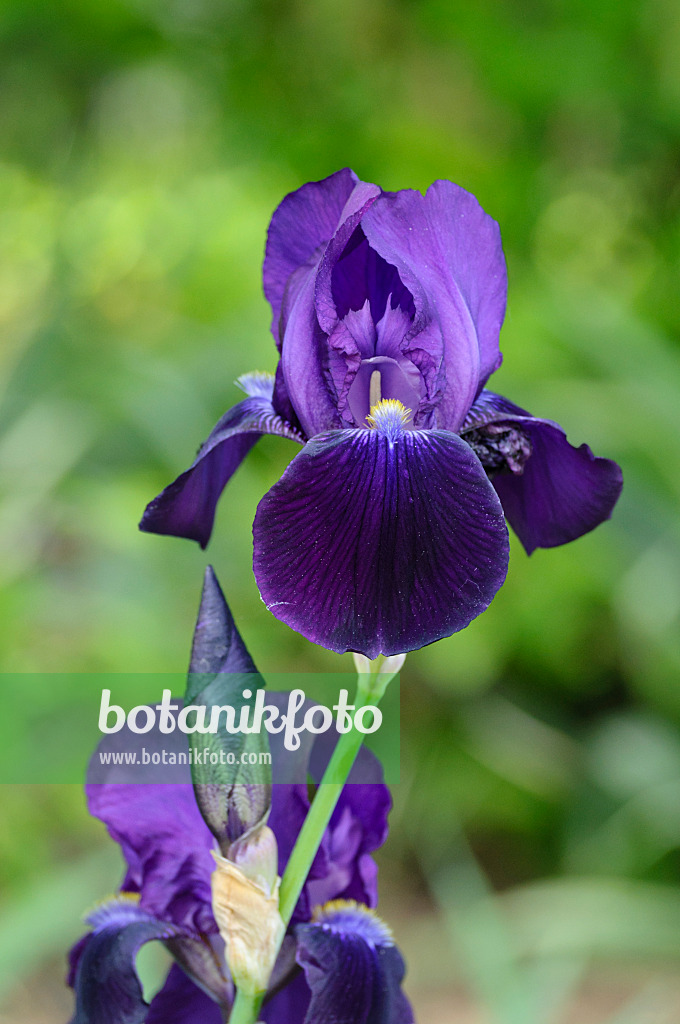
(560, 492)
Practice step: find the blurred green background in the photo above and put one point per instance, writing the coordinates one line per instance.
(144, 146)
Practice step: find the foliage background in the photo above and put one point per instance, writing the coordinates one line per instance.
(145, 144)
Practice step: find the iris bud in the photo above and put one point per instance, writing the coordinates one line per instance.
(245, 900)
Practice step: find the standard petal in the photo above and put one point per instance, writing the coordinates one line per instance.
(186, 508)
(304, 366)
(562, 492)
(166, 846)
(335, 297)
(379, 545)
(353, 969)
(303, 221)
(182, 1002)
(107, 988)
(448, 253)
(311, 315)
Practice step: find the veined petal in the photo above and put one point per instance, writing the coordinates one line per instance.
(186, 508)
(361, 328)
(562, 492)
(353, 968)
(448, 253)
(380, 541)
(303, 221)
(182, 1002)
(167, 846)
(107, 988)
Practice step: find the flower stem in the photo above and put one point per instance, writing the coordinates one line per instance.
(371, 686)
(372, 682)
(246, 1008)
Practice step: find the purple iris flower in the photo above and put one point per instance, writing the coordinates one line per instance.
(166, 892)
(166, 896)
(387, 531)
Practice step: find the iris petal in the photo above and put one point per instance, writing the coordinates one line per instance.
(448, 253)
(358, 273)
(107, 988)
(563, 492)
(186, 508)
(182, 1002)
(353, 969)
(303, 221)
(331, 306)
(312, 316)
(166, 845)
(304, 364)
(290, 1005)
(378, 545)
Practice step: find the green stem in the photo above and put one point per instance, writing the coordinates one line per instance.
(246, 1008)
(370, 688)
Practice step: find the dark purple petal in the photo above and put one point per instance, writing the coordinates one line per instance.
(562, 492)
(186, 508)
(303, 221)
(182, 1002)
(290, 1005)
(336, 864)
(373, 280)
(361, 275)
(106, 984)
(448, 253)
(353, 969)
(356, 348)
(166, 845)
(392, 328)
(349, 872)
(281, 400)
(74, 954)
(378, 545)
(344, 366)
